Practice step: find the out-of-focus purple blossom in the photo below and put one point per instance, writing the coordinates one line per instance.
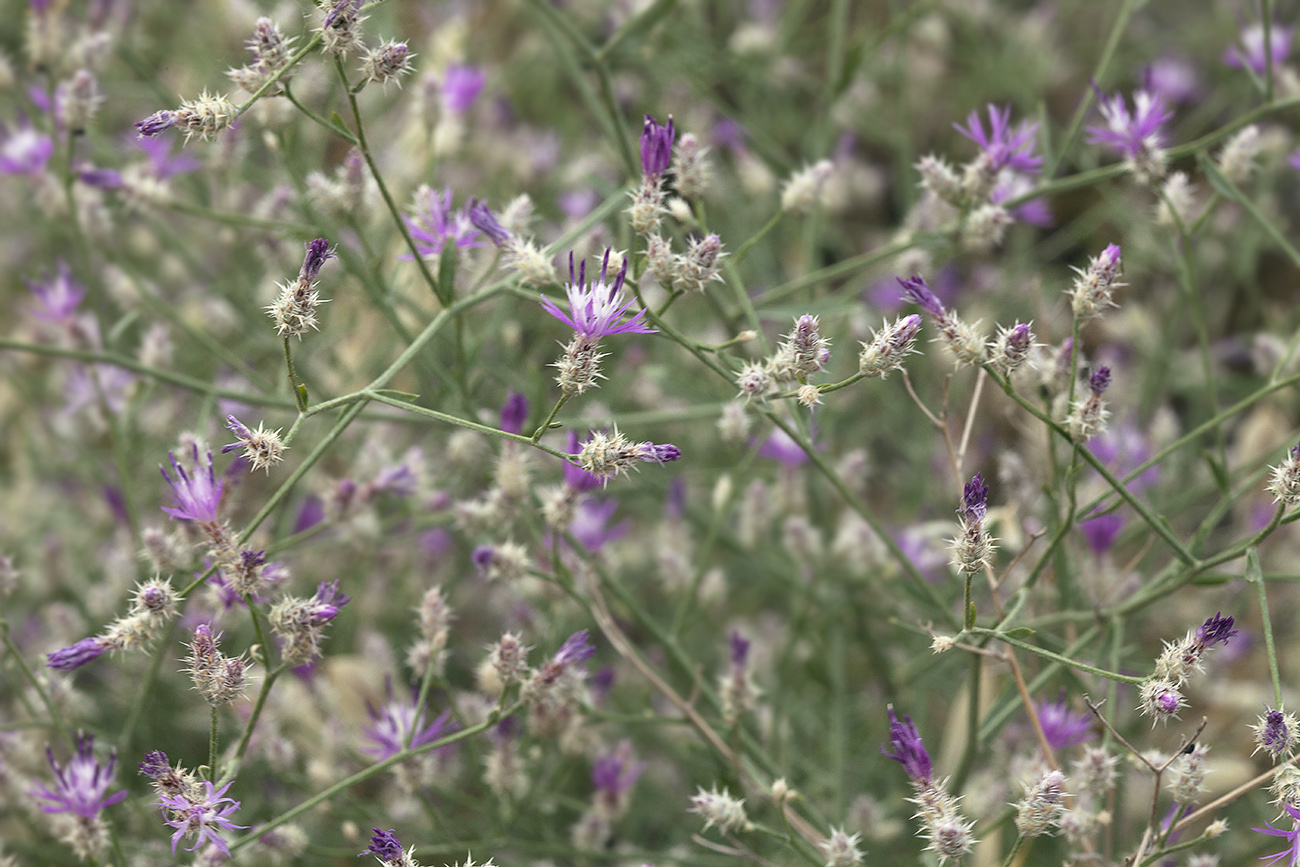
(1100, 531)
(24, 151)
(57, 296)
(739, 649)
(590, 525)
(1250, 51)
(514, 412)
(906, 748)
(1294, 159)
(81, 786)
(482, 557)
(198, 496)
(1124, 448)
(1005, 148)
(575, 650)
(385, 846)
(597, 310)
(398, 720)
(310, 513)
(730, 135)
(656, 147)
(675, 504)
(73, 657)
(486, 222)
(946, 286)
(1174, 79)
(1216, 630)
(91, 387)
(461, 85)
(1035, 212)
(327, 603)
(163, 164)
(1131, 134)
(101, 179)
(396, 480)
(602, 682)
(614, 773)
(206, 819)
(780, 446)
(1062, 727)
(576, 204)
(436, 543)
(1099, 380)
(157, 123)
(435, 224)
(575, 477)
(916, 291)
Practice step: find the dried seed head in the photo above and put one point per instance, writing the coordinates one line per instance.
(722, 810)
(1041, 807)
(1161, 700)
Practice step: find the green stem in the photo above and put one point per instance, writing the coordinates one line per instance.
(212, 744)
(546, 425)
(1056, 657)
(56, 719)
(299, 390)
(1254, 575)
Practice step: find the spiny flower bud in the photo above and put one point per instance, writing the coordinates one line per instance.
(609, 455)
(737, 688)
(889, 346)
(271, 53)
(722, 810)
(950, 837)
(78, 101)
(1041, 807)
(804, 188)
(700, 265)
(1284, 484)
(984, 227)
(660, 261)
(341, 27)
(754, 380)
(1177, 201)
(647, 207)
(938, 178)
(690, 171)
(204, 117)
(1095, 771)
(261, 447)
(1237, 159)
(1094, 288)
(1277, 734)
(973, 548)
(1180, 658)
(507, 561)
(841, 849)
(1089, 415)
(294, 311)
(1010, 350)
(509, 658)
(1160, 700)
(1187, 775)
(387, 63)
(804, 351)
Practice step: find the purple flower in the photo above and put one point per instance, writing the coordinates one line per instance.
(780, 446)
(435, 224)
(24, 151)
(197, 497)
(1292, 839)
(575, 650)
(100, 179)
(327, 602)
(915, 291)
(1099, 381)
(157, 123)
(615, 773)
(1216, 630)
(590, 525)
(1294, 159)
(461, 86)
(318, 253)
(656, 453)
(1174, 79)
(656, 147)
(514, 412)
(205, 819)
(384, 845)
(907, 748)
(1131, 134)
(85, 650)
(597, 311)
(1273, 735)
(482, 557)
(57, 297)
(1101, 531)
(739, 650)
(82, 783)
(161, 161)
(486, 222)
(1061, 727)
(975, 500)
(1251, 51)
(396, 721)
(155, 764)
(1003, 147)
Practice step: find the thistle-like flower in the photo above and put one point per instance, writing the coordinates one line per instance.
(1089, 415)
(197, 497)
(1138, 135)
(395, 722)
(889, 346)
(609, 455)
(81, 785)
(960, 337)
(973, 548)
(294, 311)
(1277, 734)
(1095, 286)
(1284, 484)
(722, 810)
(261, 447)
(204, 812)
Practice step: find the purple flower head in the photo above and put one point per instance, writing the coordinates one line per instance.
(398, 480)
(656, 147)
(1251, 53)
(1174, 79)
(396, 721)
(1294, 159)
(1274, 736)
(1124, 448)
(1292, 839)
(657, 453)
(1101, 531)
(1061, 727)
(343, 9)
(435, 224)
(486, 222)
(1004, 147)
(1131, 134)
(915, 291)
(318, 252)
(384, 845)
(596, 311)
(1099, 381)
(24, 151)
(197, 497)
(907, 749)
(81, 784)
(1035, 212)
(615, 773)
(461, 86)
(101, 179)
(161, 161)
(590, 526)
(206, 819)
(482, 557)
(1216, 630)
(575, 650)
(739, 650)
(514, 412)
(57, 297)
(974, 500)
(155, 764)
(157, 123)
(780, 446)
(327, 602)
(575, 477)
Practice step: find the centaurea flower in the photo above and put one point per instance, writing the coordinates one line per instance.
(197, 497)
(889, 346)
(961, 338)
(294, 311)
(1277, 734)
(57, 296)
(973, 547)
(1061, 726)
(647, 206)
(396, 721)
(300, 623)
(204, 812)
(1001, 148)
(1093, 290)
(262, 447)
(1284, 484)
(385, 846)
(1089, 415)
(609, 455)
(1250, 52)
(24, 151)
(1138, 135)
(81, 784)
(1292, 839)
(656, 147)
(435, 224)
(906, 747)
(461, 86)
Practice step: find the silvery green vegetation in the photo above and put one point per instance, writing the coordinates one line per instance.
(543, 433)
